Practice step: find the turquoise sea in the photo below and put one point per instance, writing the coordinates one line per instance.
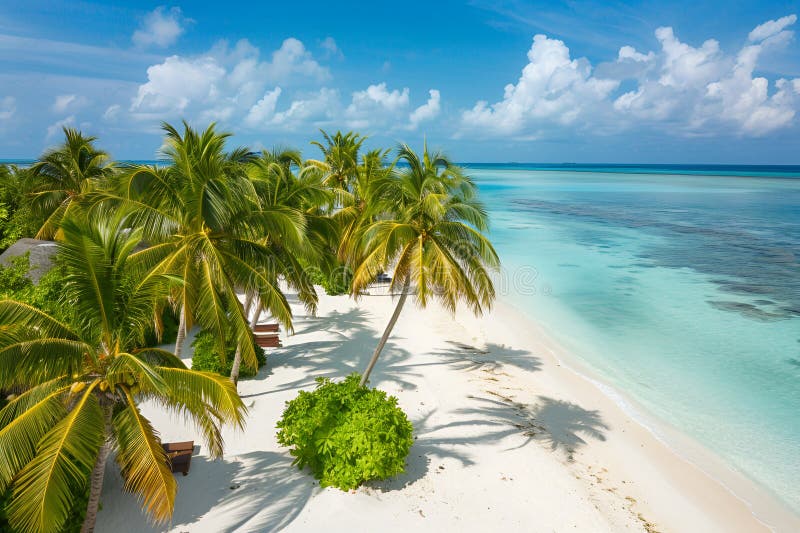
(678, 286)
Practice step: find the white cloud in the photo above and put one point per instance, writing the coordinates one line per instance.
(745, 100)
(112, 112)
(702, 90)
(55, 128)
(379, 96)
(160, 28)
(8, 106)
(331, 48)
(553, 89)
(177, 82)
(377, 106)
(65, 102)
(771, 27)
(264, 110)
(679, 89)
(629, 52)
(224, 82)
(292, 59)
(316, 110)
(685, 66)
(427, 111)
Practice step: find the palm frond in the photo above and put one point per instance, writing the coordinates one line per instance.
(142, 460)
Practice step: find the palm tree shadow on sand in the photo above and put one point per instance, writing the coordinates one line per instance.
(557, 424)
(347, 352)
(256, 491)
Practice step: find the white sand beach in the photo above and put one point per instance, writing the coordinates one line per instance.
(507, 439)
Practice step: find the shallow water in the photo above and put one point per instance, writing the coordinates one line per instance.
(683, 291)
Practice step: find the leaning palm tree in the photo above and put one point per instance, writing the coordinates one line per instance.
(202, 216)
(63, 176)
(83, 383)
(430, 230)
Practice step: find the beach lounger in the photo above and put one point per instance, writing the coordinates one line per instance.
(266, 328)
(180, 455)
(270, 340)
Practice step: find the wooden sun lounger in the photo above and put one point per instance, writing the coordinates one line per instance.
(180, 455)
(268, 341)
(266, 328)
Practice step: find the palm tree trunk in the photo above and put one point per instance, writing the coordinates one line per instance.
(237, 358)
(98, 473)
(179, 340)
(386, 333)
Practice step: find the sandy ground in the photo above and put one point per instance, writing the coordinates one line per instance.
(507, 439)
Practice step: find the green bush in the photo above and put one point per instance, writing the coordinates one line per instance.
(335, 282)
(206, 357)
(346, 434)
(13, 278)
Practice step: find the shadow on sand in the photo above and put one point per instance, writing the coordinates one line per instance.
(348, 352)
(256, 491)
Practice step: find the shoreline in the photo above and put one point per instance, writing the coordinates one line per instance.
(507, 437)
(766, 507)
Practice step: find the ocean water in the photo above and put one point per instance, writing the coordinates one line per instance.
(680, 287)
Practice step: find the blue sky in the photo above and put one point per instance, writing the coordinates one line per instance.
(578, 81)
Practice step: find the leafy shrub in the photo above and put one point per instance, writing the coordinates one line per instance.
(206, 357)
(13, 278)
(346, 434)
(335, 282)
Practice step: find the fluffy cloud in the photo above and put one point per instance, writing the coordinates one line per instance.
(316, 110)
(177, 82)
(8, 106)
(264, 110)
(685, 89)
(427, 111)
(224, 81)
(701, 90)
(553, 88)
(629, 52)
(160, 28)
(375, 104)
(771, 27)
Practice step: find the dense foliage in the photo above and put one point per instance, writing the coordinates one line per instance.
(81, 382)
(16, 217)
(206, 356)
(148, 252)
(334, 281)
(346, 434)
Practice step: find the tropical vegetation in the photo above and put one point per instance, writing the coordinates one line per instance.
(346, 434)
(211, 237)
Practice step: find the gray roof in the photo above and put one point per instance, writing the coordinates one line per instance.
(40, 259)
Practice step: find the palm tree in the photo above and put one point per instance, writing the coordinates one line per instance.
(83, 383)
(430, 230)
(202, 216)
(274, 175)
(63, 176)
(356, 210)
(340, 159)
